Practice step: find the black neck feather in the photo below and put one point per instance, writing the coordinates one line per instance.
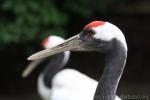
(54, 65)
(114, 66)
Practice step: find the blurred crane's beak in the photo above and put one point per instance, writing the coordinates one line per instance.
(32, 65)
(72, 44)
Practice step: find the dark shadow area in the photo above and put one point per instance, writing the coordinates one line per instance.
(135, 80)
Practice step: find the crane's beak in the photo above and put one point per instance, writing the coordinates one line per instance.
(72, 44)
(31, 66)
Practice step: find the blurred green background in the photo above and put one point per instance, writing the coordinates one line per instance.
(24, 23)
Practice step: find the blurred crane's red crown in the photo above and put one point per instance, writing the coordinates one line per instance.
(44, 42)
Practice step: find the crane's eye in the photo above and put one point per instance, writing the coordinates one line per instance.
(88, 33)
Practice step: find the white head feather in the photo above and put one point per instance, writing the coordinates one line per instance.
(108, 31)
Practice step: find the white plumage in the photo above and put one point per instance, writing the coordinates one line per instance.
(69, 84)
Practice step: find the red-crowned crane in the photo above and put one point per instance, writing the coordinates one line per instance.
(102, 37)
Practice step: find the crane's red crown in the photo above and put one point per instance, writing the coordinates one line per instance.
(94, 24)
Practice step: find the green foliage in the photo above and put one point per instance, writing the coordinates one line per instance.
(31, 20)
(25, 20)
